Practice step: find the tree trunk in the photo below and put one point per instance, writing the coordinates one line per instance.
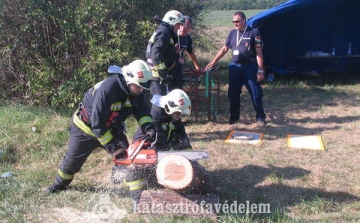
(177, 173)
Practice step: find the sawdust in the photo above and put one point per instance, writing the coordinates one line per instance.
(72, 215)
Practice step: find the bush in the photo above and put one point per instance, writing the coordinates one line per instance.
(52, 52)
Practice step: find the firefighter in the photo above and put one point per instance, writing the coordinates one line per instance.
(98, 122)
(168, 124)
(161, 52)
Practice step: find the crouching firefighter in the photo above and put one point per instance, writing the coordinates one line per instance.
(98, 120)
(170, 130)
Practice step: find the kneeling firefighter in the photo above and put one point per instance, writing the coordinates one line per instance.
(170, 129)
(170, 134)
(98, 122)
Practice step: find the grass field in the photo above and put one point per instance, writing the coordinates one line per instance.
(299, 185)
(223, 18)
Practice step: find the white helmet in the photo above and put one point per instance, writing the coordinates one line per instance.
(177, 101)
(139, 73)
(173, 17)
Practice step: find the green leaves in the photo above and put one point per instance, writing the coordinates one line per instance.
(52, 52)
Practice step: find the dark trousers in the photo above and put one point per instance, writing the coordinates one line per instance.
(240, 75)
(178, 78)
(80, 146)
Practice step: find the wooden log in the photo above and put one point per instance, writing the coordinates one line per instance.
(168, 202)
(176, 172)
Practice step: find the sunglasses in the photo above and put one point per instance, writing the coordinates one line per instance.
(237, 21)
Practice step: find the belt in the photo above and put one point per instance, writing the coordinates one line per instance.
(82, 114)
(151, 65)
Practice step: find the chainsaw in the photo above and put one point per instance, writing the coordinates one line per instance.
(143, 152)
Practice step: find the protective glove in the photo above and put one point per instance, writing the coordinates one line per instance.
(160, 138)
(157, 136)
(116, 148)
(151, 134)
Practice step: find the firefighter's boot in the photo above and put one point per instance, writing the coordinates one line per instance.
(60, 183)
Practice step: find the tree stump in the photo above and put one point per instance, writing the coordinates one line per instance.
(177, 173)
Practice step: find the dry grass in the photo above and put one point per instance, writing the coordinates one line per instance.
(306, 185)
(291, 179)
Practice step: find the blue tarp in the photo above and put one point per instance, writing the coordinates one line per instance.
(297, 26)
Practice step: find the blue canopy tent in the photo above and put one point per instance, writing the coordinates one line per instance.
(297, 26)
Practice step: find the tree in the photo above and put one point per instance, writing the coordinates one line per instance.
(53, 51)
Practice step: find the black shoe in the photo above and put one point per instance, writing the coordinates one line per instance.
(55, 188)
(233, 121)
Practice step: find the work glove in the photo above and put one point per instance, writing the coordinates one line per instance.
(116, 148)
(151, 134)
(159, 136)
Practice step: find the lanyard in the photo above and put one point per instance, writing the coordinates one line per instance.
(237, 37)
(180, 44)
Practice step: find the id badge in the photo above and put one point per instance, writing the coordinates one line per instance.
(181, 60)
(236, 52)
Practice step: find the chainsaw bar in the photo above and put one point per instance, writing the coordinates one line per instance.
(189, 154)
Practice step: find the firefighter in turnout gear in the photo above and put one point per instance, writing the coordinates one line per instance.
(161, 52)
(99, 121)
(171, 134)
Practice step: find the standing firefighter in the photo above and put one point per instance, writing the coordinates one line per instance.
(161, 53)
(99, 121)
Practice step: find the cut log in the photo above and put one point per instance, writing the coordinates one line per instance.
(176, 172)
(168, 202)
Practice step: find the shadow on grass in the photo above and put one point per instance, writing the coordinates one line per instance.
(245, 185)
(287, 105)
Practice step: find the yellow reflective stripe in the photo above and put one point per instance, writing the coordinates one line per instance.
(145, 119)
(171, 128)
(128, 103)
(155, 73)
(160, 66)
(107, 137)
(79, 123)
(152, 38)
(65, 175)
(116, 106)
(137, 184)
(171, 125)
(171, 41)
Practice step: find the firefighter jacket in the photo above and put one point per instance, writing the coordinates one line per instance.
(174, 130)
(103, 100)
(160, 53)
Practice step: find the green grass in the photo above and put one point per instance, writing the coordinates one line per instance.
(223, 18)
(300, 185)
